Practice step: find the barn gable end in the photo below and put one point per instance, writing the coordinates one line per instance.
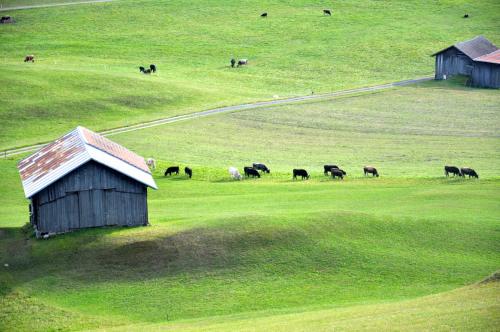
(84, 180)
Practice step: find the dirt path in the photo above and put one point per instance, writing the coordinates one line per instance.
(3, 9)
(235, 108)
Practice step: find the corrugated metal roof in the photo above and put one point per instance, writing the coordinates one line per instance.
(474, 48)
(493, 57)
(74, 149)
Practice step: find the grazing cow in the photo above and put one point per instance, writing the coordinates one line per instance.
(233, 171)
(263, 15)
(233, 62)
(327, 12)
(151, 163)
(29, 58)
(466, 16)
(261, 167)
(300, 172)
(251, 171)
(242, 62)
(337, 172)
(144, 71)
(469, 171)
(6, 19)
(153, 68)
(370, 170)
(328, 168)
(188, 171)
(453, 170)
(171, 170)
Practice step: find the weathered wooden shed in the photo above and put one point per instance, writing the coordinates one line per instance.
(486, 71)
(85, 180)
(477, 58)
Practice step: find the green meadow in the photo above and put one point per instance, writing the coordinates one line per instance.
(273, 247)
(405, 251)
(87, 56)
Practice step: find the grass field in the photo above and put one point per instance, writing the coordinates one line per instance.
(88, 55)
(401, 252)
(274, 251)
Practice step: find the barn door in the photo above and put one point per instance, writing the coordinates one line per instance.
(92, 208)
(85, 209)
(71, 210)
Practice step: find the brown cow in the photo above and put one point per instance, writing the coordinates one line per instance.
(370, 170)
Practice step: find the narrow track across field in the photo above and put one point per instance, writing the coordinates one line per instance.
(4, 9)
(234, 108)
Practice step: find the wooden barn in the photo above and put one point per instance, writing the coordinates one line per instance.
(477, 58)
(84, 180)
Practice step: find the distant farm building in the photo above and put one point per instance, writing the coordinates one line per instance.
(84, 180)
(477, 58)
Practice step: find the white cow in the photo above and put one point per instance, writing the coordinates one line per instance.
(233, 171)
(151, 163)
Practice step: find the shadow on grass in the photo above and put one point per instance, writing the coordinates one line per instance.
(96, 255)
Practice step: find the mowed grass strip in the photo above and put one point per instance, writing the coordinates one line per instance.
(87, 56)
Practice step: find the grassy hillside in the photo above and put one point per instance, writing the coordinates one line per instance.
(363, 253)
(219, 248)
(405, 132)
(87, 56)
(275, 246)
(467, 309)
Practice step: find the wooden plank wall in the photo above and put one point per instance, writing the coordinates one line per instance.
(90, 196)
(452, 62)
(486, 75)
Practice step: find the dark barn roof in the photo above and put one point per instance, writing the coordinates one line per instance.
(473, 48)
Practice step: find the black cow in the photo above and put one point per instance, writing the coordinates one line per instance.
(171, 170)
(469, 171)
(6, 19)
(188, 171)
(370, 170)
(153, 68)
(29, 58)
(337, 172)
(466, 16)
(300, 172)
(453, 170)
(261, 167)
(144, 71)
(263, 15)
(251, 171)
(327, 12)
(328, 168)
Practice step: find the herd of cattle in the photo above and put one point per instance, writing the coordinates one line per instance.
(335, 171)
(460, 172)
(151, 69)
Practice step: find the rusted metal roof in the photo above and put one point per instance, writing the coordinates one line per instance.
(473, 48)
(493, 57)
(74, 149)
(113, 149)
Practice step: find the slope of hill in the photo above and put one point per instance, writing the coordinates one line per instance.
(269, 246)
(87, 56)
